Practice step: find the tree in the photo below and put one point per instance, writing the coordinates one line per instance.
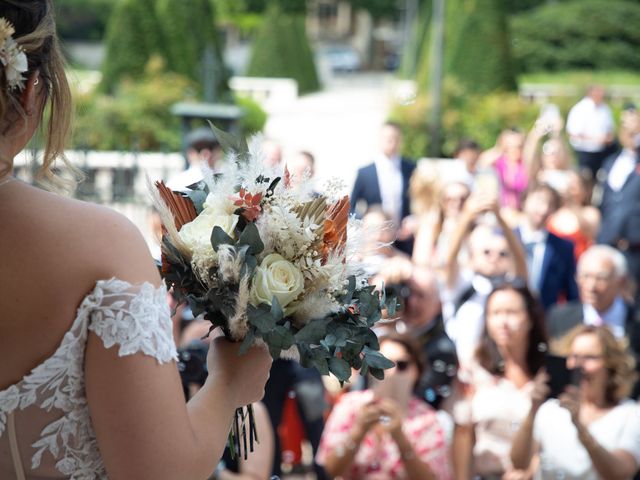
(133, 37)
(182, 32)
(583, 34)
(476, 47)
(478, 53)
(281, 49)
(189, 37)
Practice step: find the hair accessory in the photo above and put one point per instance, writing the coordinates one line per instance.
(12, 56)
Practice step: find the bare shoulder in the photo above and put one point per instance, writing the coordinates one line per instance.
(96, 239)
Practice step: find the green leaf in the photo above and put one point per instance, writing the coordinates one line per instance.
(219, 237)
(321, 364)
(247, 342)
(276, 309)
(375, 359)
(197, 197)
(340, 368)
(251, 236)
(377, 373)
(261, 319)
(279, 337)
(231, 143)
(313, 331)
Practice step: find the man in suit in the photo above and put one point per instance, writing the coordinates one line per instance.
(602, 272)
(620, 204)
(551, 263)
(385, 182)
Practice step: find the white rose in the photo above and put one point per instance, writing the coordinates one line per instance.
(277, 277)
(197, 233)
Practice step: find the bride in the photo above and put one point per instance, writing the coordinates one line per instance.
(89, 386)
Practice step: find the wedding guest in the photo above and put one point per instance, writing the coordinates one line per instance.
(468, 151)
(550, 259)
(591, 130)
(272, 152)
(434, 233)
(203, 153)
(576, 220)
(385, 432)
(420, 315)
(495, 391)
(547, 161)
(510, 168)
(495, 255)
(591, 430)
(301, 167)
(386, 182)
(602, 280)
(620, 204)
(89, 386)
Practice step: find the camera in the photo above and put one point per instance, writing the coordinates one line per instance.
(400, 291)
(192, 364)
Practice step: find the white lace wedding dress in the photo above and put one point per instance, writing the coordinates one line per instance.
(45, 428)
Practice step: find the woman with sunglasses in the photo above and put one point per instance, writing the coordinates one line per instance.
(495, 392)
(385, 432)
(591, 431)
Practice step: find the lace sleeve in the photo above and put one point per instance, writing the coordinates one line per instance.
(134, 317)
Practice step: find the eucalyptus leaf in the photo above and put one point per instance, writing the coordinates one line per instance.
(377, 373)
(276, 310)
(313, 331)
(231, 143)
(251, 236)
(375, 359)
(262, 320)
(247, 343)
(219, 237)
(197, 197)
(340, 368)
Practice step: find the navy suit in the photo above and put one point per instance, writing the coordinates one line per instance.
(561, 319)
(558, 272)
(366, 193)
(620, 225)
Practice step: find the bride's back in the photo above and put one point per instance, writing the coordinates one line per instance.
(54, 250)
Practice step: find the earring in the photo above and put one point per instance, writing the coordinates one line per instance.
(37, 82)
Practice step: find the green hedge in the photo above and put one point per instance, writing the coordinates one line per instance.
(137, 116)
(580, 34)
(281, 50)
(465, 115)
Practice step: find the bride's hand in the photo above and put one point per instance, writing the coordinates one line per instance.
(243, 376)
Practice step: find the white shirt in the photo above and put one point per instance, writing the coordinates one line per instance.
(621, 169)
(589, 120)
(562, 455)
(182, 180)
(614, 317)
(390, 182)
(534, 261)
(465, 326)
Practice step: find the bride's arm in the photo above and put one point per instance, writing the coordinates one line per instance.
(143, 428)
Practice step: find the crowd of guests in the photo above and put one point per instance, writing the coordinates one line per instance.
(515, 341)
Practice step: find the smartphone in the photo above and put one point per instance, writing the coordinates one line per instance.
(486, 182)
(560, 376)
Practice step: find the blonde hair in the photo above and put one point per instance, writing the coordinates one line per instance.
(35, 33)
(619, 363)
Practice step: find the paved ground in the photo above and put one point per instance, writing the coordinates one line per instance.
(339, 125)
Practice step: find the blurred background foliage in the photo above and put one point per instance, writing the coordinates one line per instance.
(492, 47)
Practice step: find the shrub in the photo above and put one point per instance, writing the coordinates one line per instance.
(465, 115)
(254, 117)
(580, 34)
(281, 50)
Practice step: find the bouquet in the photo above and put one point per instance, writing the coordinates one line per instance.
(270, 262)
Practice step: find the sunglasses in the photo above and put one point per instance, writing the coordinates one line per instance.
(501, 253)
(402, 365)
